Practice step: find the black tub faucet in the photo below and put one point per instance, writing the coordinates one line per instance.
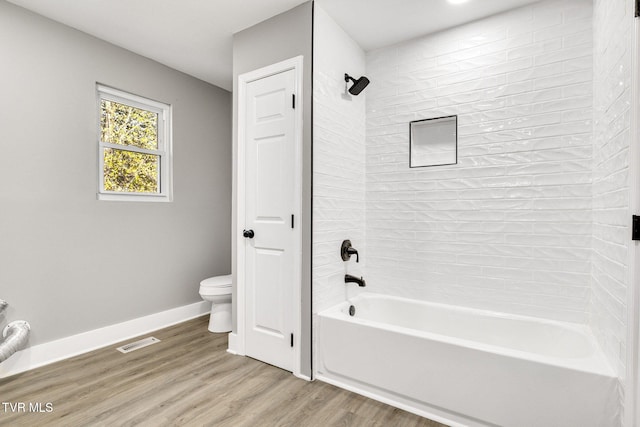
(353, 279)
(346, 251)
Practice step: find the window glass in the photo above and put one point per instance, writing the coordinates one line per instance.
(126, 125)
(129, 171)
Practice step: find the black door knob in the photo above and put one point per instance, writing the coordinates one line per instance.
(248, 234)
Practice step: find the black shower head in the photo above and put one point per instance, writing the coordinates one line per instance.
(358, 85)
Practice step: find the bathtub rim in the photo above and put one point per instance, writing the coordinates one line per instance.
(595, 363)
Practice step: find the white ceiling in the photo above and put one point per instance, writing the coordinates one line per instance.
(195, 36)
(377, 23)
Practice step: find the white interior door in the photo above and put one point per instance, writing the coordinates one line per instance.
(270, 206)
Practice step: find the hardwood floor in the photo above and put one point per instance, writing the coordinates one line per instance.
(187, 379)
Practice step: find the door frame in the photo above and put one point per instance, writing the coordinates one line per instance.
(243, 80)
(632, 377)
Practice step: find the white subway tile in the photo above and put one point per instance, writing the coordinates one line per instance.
(577, 39)
(531, 50)
(563, 54)
(562, 80)
(565, 29)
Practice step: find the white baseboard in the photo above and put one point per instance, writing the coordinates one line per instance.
(233, 344)
(53, 351)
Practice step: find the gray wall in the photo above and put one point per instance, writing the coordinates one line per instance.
(282, 37)
(70, 263)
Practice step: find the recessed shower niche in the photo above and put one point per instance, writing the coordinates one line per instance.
(433, 142)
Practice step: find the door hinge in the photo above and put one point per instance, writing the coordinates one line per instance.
(291, 340)
(291, 220)
(635, 228)
(293, 101)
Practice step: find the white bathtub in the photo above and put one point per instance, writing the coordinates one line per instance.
(465, 366)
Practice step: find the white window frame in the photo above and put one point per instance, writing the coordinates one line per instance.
(164, 150)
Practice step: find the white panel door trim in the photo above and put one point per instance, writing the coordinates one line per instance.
(243, 80)
(632, 381)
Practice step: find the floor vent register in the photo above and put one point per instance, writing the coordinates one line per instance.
(128, 348)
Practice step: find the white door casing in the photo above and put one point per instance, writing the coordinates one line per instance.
(632, 378)
(269, 204)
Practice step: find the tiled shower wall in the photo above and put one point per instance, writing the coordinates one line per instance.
(338, 161)
(509, 227)
(613, 30)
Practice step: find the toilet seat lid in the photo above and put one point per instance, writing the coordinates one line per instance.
(217, 282)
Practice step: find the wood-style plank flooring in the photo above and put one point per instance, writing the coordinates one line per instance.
(188, 379)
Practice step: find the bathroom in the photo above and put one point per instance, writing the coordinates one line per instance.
(533, 219)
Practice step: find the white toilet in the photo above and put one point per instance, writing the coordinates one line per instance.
(217, 289)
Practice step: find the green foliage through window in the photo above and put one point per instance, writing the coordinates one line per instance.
(125, 125)
(126, 170)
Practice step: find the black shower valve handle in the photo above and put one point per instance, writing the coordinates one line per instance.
(347, 251)
(353, 251)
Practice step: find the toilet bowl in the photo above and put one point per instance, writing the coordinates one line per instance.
(217, 289)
